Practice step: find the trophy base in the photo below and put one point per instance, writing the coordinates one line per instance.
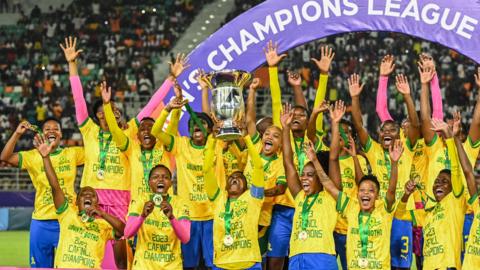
(229, 134)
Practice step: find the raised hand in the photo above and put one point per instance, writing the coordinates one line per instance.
(178, 91)
(439, 125)
(477, 77)
(255, 84)
(217, 124)
(69, 50)
(427, 61)
(322, 107)
(387, 66)
(106, 92)
(202, 79)
(325, 61)
(286, 116)
(402, 85)
(175, 103)
(180, 64)
(310, 151)
(410, 187)
(239, 122)
(426, 73)
(457, 123)
(354, 86)
(22, 127)
(396, 150)
(351, 149)
(294, 78)
(167, 209)
(271, 54)
(337, 111)
(148, 209)
(42, 145)
(94, 211)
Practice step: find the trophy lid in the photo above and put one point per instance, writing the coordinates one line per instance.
(229, 76)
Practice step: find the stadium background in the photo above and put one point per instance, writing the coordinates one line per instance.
(128, 43)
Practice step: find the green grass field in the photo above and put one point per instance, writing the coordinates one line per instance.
(14, 248)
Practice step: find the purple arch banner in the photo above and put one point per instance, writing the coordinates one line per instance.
(238, 44)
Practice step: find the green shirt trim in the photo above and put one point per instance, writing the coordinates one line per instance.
(435, 137)
(20, 160)
(84, 123)
(215, 195)
(196, 146)
(344, 157)
(133, 214)
(62, 207)
(271, 158)
(281, 180)
(473, 198)
(341, 206)
(169, 148)
(473, 144)
(368, 145)
(256, 138)
(126, 146)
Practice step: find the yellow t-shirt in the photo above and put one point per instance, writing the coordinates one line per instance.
(117, 169)
(380, 225)
(320, 224)
(65, 162)
(442, 233)
(472, 250)
(379, 162)
(419, 173)
(158, 247)
(274, 173)
(244, 252)
(349, 186)
(233, 158)
(191, 184)
(81, 244)
(139, 183)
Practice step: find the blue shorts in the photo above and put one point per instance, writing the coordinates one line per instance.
(43, 242)
(201, 243)
(317, 261)
(467, 224)
(257, 266)
(401, 246)
(341, 247)
(280, 231)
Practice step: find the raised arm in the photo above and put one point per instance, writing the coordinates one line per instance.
(457, 183)
(258, 173)
(165, 138)
(386, 68)
(273, 59)
(295, 80)
(172, 127)
(71, 54)
(176, 69)
(327, 183)
(474, 131)
(251, 113)
(466, 167)
(404, 88)
(44, 149)
(203, 82)
(426, 75)
(336, 114)
(352, 151)
(355, 89)
(120, 139)
(7, 154)
(291, 174)
(395, 152)
(437, 105)
(323, 65)
(211, 186)
(312, 122)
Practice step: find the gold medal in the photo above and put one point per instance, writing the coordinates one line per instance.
(85, 218)
(100, 174)
(363, 263)
(303, 235)
(157, 199)
(228, 240)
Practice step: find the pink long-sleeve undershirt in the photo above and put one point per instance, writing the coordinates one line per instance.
(81, 111)
(437, 104)
(181, 227)
(156, 99)
(382, 106)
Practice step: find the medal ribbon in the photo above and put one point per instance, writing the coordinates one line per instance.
(447, 160)
(388, 165)
(343, 135)
(103, 148)
(228, 217)
(363, 229)
(195, 120)
(147, 165)
(306, 209)
(301, 156)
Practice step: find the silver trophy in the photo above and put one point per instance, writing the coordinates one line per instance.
(227, 100)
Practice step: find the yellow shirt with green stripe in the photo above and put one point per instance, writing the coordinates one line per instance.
(379, 229)
(419, 173)
(117, 168)
(158, 247)
(379, 161)
(472, 249)
(81, 244)
(274, 173)
(65, 162)
(349, 186)
(320, 225)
